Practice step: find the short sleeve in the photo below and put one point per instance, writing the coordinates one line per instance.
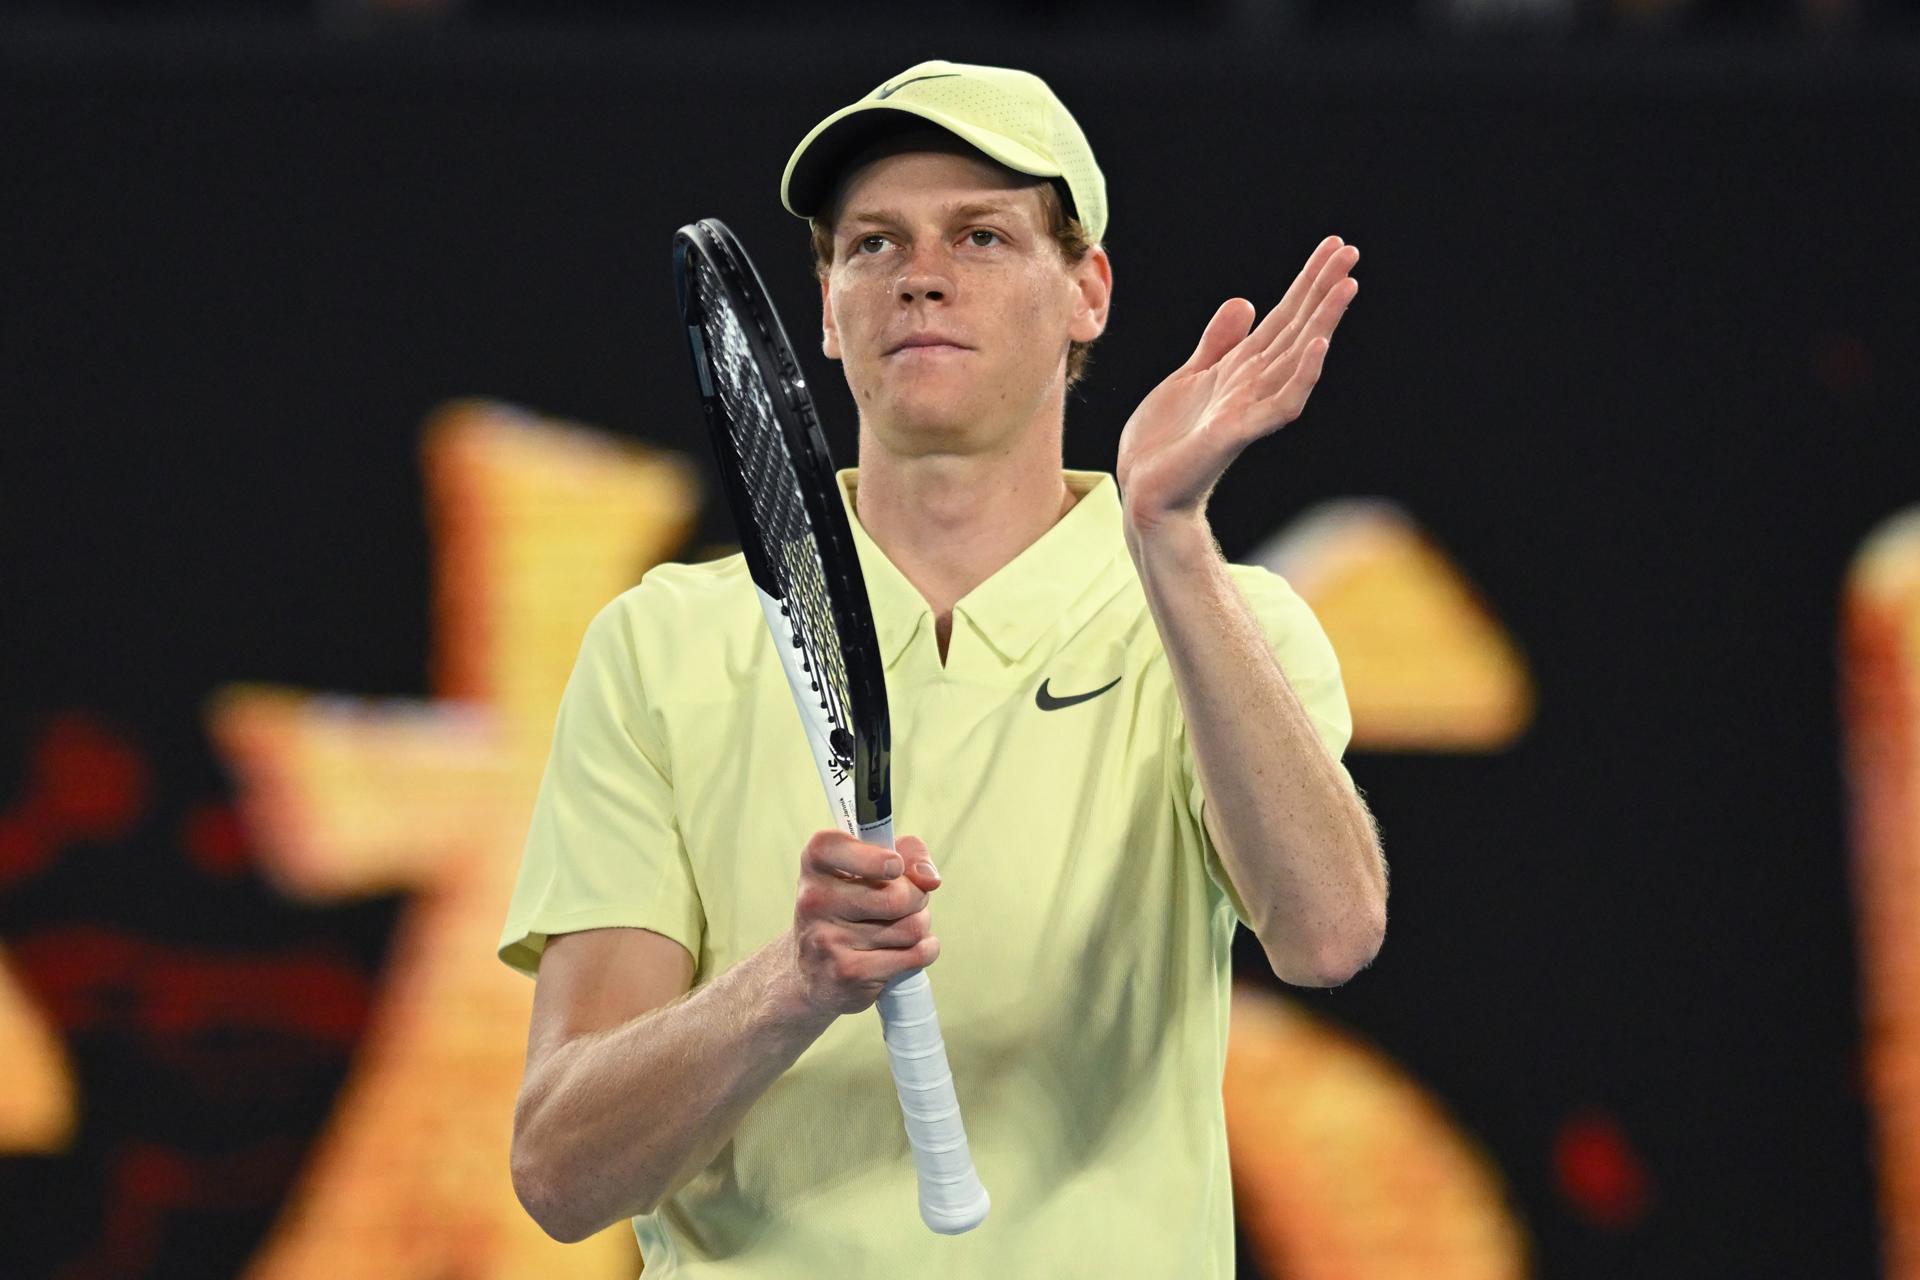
(1312, 670)
(603, 848)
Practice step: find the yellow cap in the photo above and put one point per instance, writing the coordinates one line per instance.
(1011, 116)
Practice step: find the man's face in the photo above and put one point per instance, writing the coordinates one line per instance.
(936, 246)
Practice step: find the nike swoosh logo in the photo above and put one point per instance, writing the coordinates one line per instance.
(892, 89)
(1047, 702)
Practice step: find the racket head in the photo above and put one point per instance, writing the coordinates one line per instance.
(755, 396)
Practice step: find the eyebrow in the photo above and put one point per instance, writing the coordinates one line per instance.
(892, 217)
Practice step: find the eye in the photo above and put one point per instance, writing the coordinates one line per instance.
(860, 245)
(982, 231)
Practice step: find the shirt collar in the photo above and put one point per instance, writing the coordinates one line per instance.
(899, 610)
(1027, 597)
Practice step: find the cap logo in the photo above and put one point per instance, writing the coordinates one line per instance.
(892, 89)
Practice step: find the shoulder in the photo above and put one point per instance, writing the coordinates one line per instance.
(1281, 610)
(692, 589)
(679, 616)
(671, 597)
(1261, 584)
(1285, 618)
(1302, 647)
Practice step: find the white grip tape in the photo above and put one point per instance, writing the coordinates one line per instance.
(952, 1200)
(951, 1197)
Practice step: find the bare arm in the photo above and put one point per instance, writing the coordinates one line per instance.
(608, 1117)
(1295, 839)
(1299, 846)
(633, 1084)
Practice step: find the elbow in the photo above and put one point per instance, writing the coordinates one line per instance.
(556, 1204)
(547, 1198)
(534, 1187)
(1334, 963)
(1343, 962)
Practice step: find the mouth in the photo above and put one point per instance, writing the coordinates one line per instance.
(922, 347)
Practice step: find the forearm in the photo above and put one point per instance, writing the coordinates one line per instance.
(1295, 839)
(617, 1120)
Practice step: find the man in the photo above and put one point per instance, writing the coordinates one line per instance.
(1118, 746)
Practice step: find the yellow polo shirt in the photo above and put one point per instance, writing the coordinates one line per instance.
(1084, 918)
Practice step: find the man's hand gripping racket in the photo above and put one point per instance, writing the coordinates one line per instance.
(786, 503)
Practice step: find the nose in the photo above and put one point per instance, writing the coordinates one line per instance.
(927, 275)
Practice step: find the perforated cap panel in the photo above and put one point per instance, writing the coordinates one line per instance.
(1011, 116)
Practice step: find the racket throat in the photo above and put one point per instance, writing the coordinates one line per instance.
(831, 741)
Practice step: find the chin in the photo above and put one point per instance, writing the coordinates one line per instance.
(921, 424)
(928, 426)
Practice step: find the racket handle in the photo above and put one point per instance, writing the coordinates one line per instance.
(952, 1200)
(951, 1197)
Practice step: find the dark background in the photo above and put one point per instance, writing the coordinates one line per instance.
(1633, 345)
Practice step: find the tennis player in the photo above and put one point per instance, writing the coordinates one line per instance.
(1116, 746)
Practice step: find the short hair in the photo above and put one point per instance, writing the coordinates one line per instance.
(1066, 231)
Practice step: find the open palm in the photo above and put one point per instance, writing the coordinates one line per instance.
(1237, 387)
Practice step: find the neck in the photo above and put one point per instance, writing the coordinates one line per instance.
(949, 522)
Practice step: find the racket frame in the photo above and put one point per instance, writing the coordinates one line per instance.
(867, 712)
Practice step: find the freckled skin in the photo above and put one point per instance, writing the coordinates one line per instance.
(1008, 295)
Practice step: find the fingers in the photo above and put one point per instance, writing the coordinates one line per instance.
(1298, 315)
(901, 933)
(858, 902)
(1298, 293)
(845, 880)
(1292, 380)
(1302, 314)
(861, 918)
(898, 935)
(1292, 398)
(1332, 303)
(920, 868)
(1223, 333)
(837, 853)
(845, 978)
(853, 966)
(1324, 304)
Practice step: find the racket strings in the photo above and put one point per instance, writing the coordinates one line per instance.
(779, 513)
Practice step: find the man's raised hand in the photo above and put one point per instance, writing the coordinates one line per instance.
(1237, 387)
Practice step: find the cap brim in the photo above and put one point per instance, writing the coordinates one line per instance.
(817, 163)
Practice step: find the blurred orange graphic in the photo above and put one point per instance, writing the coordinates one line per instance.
(535, 525)
(1345, 1168)
(1427, 664)
(1880, 693)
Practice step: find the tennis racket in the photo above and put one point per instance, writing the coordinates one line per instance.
(786, 503)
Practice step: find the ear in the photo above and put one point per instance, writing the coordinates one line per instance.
(829, 334)
(1093, 294)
